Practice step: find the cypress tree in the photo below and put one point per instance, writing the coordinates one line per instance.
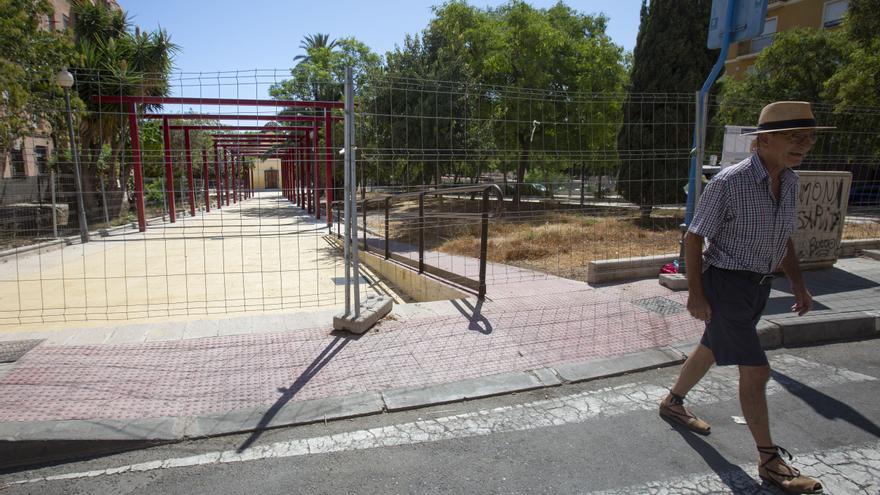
(670, 62)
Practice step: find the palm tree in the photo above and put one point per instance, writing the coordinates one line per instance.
(112, 60)
(314, 42)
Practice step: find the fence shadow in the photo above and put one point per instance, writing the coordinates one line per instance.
(338, 343)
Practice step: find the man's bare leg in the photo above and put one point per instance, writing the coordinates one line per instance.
(693, 370)
(753, 400)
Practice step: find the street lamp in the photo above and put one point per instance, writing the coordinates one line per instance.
(65, 80)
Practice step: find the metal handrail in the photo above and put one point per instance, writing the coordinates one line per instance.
(486, 189)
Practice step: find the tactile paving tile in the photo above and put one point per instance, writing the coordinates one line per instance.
(660, 305)
(13, 350)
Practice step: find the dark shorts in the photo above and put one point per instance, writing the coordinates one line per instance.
(736, 303)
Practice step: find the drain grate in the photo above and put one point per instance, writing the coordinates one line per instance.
(661, 305)
(13, 350)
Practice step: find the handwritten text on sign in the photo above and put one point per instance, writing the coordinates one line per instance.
(822, 198)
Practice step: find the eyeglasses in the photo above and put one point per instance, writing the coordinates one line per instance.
(798, 137)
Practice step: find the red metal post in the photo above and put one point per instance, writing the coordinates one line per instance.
(294, 178)
(226, 174)
(232, 179)
(217, 178)
(294, 171)
(189, 174)
(169, 170)
(205, 180)
(302, 178)
(308, 159)
(328, 157)
(314, 151)
(138, 169)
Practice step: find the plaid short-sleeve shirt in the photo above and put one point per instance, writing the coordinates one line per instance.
(745, 227)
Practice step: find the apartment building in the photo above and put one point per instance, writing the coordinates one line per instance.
(29, 156)
(783, 15)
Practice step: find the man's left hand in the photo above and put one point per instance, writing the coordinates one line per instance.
(803, 300)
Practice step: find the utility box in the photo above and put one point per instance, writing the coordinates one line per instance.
(736, 146)
(821, 213)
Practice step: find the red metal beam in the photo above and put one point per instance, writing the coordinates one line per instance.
(172, 100)
(232, 116)
(263, 128)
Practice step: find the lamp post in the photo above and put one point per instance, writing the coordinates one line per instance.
(65, 80)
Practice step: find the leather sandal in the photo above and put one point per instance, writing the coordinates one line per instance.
(791, 482)
(686, 419)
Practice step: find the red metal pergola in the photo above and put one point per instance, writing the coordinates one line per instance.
(299, 177)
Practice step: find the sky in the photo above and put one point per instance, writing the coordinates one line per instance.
(225, 35)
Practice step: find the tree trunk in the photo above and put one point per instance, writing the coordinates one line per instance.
(521, 168)
(583, 184)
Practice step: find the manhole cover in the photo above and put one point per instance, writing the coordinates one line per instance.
(661, 305)
(13, 350)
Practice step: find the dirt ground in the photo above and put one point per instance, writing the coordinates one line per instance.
(559, 243)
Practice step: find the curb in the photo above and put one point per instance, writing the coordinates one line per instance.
(27, 443)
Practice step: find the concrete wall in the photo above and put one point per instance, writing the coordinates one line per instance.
(260, 168)
(405, 280)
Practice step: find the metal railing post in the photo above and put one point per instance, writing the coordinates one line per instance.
(422, 233)
(484, 243)
(366, 249)
(54, 206)
(346, 178)
(387, 206)
(352, 160)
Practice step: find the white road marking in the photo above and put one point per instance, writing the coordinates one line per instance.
(851, 470)
(718, 385)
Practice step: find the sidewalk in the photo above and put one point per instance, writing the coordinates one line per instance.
(174, 380)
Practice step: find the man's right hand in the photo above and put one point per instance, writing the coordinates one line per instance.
(698, 307)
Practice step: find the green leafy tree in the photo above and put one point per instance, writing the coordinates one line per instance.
(514, 84)
(320, 73)
(796, 66)
(857, 81)
(670, 62)
(814, 65)
(30, 56)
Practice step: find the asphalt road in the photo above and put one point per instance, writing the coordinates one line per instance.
(580, 438)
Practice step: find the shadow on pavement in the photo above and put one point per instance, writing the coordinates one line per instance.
(829, 281)
(827, 406)
(737, 480)
(337, 344)
(476, 320)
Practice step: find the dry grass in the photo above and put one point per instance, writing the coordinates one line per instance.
(562, 243)
(861, 230)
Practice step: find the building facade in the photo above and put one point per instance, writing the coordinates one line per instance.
(29, 156)
(783, 15)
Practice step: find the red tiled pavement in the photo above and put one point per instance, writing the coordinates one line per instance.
(533, 320)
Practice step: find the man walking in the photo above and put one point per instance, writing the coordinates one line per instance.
(747, 215)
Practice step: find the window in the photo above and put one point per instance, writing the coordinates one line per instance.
(17, 164)
(65, 22)
(41, 159)
(766, 37)
(832, 15)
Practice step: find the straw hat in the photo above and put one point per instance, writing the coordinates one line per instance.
(786, 116)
